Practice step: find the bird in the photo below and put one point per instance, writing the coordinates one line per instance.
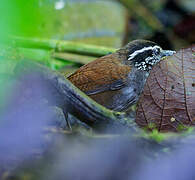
(117, 80)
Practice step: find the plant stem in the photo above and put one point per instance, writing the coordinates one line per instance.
(42, 56)
(73, 57)
(63, 46)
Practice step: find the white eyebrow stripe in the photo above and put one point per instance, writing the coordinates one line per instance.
(131, 56)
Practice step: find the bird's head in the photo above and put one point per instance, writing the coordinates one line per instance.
(145, 54)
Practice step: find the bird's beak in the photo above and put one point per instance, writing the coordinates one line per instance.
(167, 53)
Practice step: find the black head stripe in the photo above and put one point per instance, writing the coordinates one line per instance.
(142, 56)
(139, 44)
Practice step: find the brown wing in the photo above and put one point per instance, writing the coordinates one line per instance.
(99, 74)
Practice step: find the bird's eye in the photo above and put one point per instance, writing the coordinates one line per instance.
(149, 53)
(157, 51)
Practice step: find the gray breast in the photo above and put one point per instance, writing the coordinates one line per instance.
(129, 94)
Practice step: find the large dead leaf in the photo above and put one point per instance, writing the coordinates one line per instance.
(168, 99)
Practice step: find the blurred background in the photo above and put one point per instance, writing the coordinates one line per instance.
(31, 150)
(106, 23)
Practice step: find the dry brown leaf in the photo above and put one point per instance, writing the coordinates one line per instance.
(168, 99)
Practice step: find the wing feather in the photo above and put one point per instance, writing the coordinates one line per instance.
(103, 74)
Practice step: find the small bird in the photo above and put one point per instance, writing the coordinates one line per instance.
(117, 80)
